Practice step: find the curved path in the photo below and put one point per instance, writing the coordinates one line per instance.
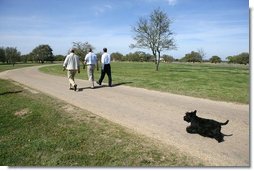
(154, 114)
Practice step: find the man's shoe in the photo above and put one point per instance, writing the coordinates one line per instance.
(75, 87)
(98, 82)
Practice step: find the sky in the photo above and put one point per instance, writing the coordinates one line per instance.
(218, 27)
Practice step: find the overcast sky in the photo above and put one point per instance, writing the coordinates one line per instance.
(219, 27)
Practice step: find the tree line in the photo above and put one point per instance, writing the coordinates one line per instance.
(192, 57)
(44, 53)
(40, 54)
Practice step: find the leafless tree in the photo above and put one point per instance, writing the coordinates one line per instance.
(154, 33)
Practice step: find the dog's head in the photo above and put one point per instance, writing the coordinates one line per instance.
(189, 115)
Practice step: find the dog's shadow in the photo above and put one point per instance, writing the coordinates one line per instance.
(204, 127)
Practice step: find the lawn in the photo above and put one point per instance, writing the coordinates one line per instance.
(4, 67)
(37, 130)
(222, 82)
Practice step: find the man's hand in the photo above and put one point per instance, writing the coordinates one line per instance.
(64, 68)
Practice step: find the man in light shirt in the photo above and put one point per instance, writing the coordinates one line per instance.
(71, 64)
(105, 67)
(91, 60)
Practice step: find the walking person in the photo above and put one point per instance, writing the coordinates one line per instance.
(71, 64)
(91, 60)
(105, 67)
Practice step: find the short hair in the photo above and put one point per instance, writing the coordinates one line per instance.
(90, 49)
(105, 49)
(72, 50)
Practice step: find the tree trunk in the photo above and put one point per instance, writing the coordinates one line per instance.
(157, 66)
(158, 61)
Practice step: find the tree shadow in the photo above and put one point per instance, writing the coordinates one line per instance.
(10, 92)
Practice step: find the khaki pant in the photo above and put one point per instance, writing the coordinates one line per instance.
(90, 73)
(71, 74)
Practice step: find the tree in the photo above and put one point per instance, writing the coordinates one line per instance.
(168, 58)
(133, 57)
(215, 59)
(2, 54)
(202, 53)
(116, 56)
(192, 57)
(12, 55)
(59, 57)
(42, 53)
(154, 33)
(242, 58)
(25, 58)
(231, 59)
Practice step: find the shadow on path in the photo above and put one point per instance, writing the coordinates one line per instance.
(103, 86)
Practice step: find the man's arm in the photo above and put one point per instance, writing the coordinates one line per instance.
(85, 61)
(65, 63)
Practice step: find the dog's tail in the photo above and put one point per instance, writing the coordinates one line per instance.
(225, 123)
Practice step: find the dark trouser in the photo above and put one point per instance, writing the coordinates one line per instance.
(106, 70)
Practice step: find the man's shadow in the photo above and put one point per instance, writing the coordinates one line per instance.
(103, 86)
(122, 83)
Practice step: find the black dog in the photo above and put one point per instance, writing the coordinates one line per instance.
(205, 127)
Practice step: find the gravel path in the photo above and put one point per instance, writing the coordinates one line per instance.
(154, 114)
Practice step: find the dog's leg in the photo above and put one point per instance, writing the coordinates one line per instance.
(219, 137)
(191, 130)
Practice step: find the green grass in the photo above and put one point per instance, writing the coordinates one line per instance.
(222, 82)
(37, 130)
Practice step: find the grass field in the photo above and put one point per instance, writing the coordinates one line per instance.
(37, 130)
(4, 67)
(222, 82)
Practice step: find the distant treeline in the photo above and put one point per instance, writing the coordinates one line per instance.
(43, 53)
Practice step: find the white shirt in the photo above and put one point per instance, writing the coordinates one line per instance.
(105, 58)
(91, 59)
(71, 62)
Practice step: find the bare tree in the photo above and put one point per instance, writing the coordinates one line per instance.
(202, 53)
(155, 34)
(81, 49)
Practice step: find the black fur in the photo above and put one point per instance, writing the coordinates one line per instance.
(205, 127)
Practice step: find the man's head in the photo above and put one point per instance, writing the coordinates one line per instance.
(105, 49)
(72, 50)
